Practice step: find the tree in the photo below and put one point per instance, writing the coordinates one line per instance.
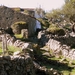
(40, 11)
(54, 14)
(69, 9)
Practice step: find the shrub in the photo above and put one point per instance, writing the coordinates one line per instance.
(68, 27)
(44, 23)
(18, 26)
(53, 29)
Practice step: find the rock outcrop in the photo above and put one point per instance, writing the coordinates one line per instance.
(59, 45)
(22, 63)
(8, 16)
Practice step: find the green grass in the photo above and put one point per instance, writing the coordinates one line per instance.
(65, 72)
(73, 72)
(64, 69)
(18, 36)
(10, 49)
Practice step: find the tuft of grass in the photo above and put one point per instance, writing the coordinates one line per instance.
(18, 36)
(10, 49)
(66, 72)
(73, 72)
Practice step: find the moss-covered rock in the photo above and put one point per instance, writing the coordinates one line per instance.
(18, 26)
(44, 23)
(53, 29)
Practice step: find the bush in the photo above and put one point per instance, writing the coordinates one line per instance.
(44, 23)
(18, 26)
(53, 29)
(68, 27)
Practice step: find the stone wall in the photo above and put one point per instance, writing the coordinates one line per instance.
(16, 65)
(8, 17)
(22, 63)
(61, 49)
(58, 45)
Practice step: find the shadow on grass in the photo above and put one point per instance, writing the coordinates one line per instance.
(50, 63)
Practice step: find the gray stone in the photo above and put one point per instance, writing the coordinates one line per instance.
(17, 53)
(24, 33)
(18, 66)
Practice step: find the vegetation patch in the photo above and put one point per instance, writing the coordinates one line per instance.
(44, 23)
(55, 30)
(10, 50)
